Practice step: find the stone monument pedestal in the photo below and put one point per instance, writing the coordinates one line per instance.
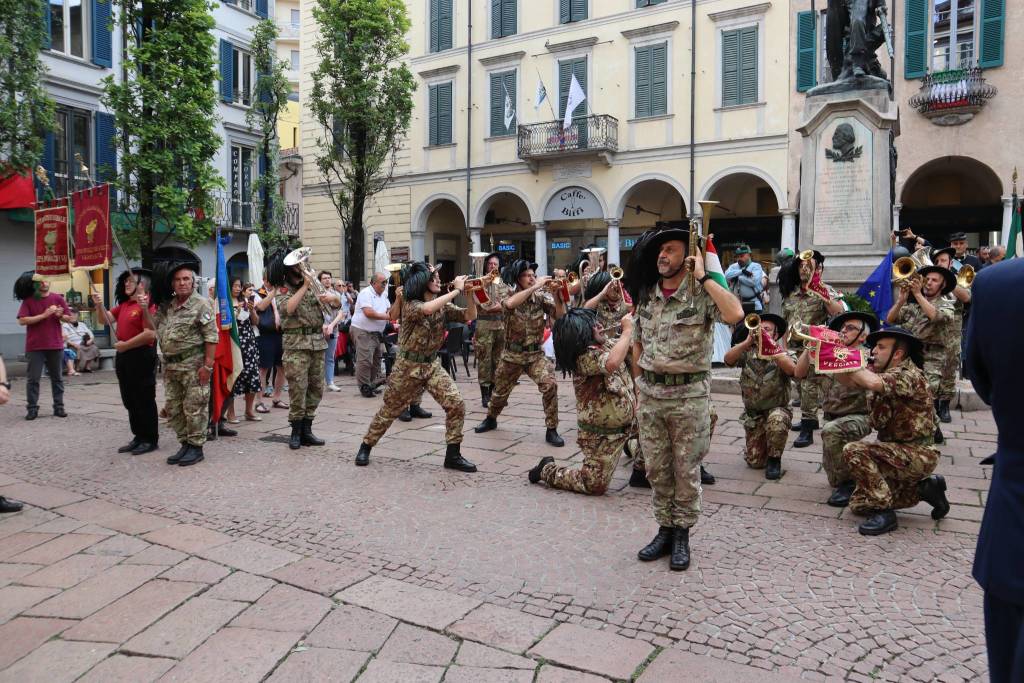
(846, 179)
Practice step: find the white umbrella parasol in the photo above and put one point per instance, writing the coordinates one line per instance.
(255, 254)
(381, 258)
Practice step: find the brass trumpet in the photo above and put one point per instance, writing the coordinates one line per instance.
(906, 267)
(806, 255)
(752, 321)
(616, 272)
(300, 258)
(965, 276)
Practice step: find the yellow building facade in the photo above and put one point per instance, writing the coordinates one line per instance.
(487, 166)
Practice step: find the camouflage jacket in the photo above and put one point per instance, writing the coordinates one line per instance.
(603, 399)
(677, 337)
(938, 331)
(763, 384)
(422, 334)
(806, 309)
(184, 328)
(524, 325)
(498, 291)
(610, 316)
(840, 399)
(307, 322)
(902, 411)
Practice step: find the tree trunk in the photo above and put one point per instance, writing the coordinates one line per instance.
(355, 249)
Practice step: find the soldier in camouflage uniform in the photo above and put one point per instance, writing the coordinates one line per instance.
(961, 301)
(490, 330)
(524, 332)
(605, 296)
(425, 313)
(896, 471)
(605, 401)
(672, 344)
(802, 306)
(764, 384)
(304, 337)
(186, 329)
(929, 317)
(845, 407)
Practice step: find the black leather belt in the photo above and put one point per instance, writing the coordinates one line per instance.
(607, 431)
(521, 348)
(674, 380)
(184, 355)
(417, 357)
(303, 330)
(493, 316)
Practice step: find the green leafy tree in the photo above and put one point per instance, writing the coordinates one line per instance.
(165, 115)
(362, 100)
(270, 98)
(26, 112)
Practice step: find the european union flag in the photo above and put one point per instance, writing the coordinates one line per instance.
(877, 289)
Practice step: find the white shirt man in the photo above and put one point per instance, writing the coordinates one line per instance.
(368, 323)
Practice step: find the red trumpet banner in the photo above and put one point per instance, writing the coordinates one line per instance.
(817, 288)
(766, 346)
(838, 358)
(93, 248)
(52, 241)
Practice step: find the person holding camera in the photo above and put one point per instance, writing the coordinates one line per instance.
(747, 280)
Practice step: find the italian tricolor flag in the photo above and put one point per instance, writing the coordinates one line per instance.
(227, 361)
(712, 265)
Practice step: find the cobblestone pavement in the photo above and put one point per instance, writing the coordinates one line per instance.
(263, 561)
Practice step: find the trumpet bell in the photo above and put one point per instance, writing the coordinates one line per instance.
(300, 255)
(903, 268)
(965, 276)
(616, 273)
(752, 321)
(572, 277)
(806, 254)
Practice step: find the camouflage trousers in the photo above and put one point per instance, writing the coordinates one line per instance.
(406, 384)
(886, 474)
(600, 456)
(188, 405)
(811, 394)
(766, 432)
(541, 372)
(634, 440)
(488, 347)
(935, 361)
(835, 434)
(950, 369)
(304, 371)
(675, 435)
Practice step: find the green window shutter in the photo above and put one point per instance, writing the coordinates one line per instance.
(566, 70)
(659, 79)
(564, 12)
(643, 82)
(444, 25)
(227, 71)
(497, 106)
(648, 3)
(730, 68)
(748, 65)
(510, 85)
(578, 9)
(432, 133)
(434, 32)
(47, 29)
(444, 114)
(915, 50)
(496, 18)
(806, 54)
(993, 19)
(509, 18)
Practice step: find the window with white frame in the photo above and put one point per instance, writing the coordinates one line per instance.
(244, 76)
(295, 19)
(295, 60)
(739, 66)
(71, 137)
(439, 114)
(69, 28)
(952, 34)
(243, 170)
(650, 80)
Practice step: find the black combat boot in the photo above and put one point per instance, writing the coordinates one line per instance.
(639, 479)
(222, 430)
(176, 458)
(130, 446)
(534, 474)
(366, 390)
(552, 437)
(660, 545)
(932, 490)
(942, 409)
(295, 440)
(144, 447)
(706, 478)
(773, 469)
(193, 455)
(363, 456)
(485, 394)
(840, 498)
(487, 425)
(680, 559)
(415, 410)
(806, 437)
(939, 438)
(9, 505)
(453, 459)
(882, 522)
(308, 438)
(404, 416)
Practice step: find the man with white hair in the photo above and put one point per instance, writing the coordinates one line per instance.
(367, 331)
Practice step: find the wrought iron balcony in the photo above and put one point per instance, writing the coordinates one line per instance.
(952, 97)
(231, 213)
(597, 134)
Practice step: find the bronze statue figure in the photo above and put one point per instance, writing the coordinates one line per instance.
(854, 30)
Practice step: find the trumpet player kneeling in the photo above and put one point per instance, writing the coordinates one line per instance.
(896, 471)
(425, 313)
(605, 401)
(765, 385)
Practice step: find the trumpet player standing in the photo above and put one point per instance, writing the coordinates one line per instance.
(490, 329)
(764, 385)
(524, 334)
(604, 295)
(961, 301)
(923, 308)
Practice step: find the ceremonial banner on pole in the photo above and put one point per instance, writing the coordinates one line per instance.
(52, 242)
(833, 358)
(93, 247)
(767, 347)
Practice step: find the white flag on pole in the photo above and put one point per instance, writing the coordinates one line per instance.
(510, 112)
(576, 95)
(540, 96)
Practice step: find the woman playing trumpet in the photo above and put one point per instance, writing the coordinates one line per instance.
(604, 294)
(490, 328)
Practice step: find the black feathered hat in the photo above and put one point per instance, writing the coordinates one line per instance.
(162, 288)
(781, 325)
(949, 280)
(25, 286)
(144, 275)
(276, 268)
(513, 270)
(487, 258)
(414, 280)
(573, 333)
(642, 273)
(947, 250)
(915, 348)
(595, 283)
(869, 319)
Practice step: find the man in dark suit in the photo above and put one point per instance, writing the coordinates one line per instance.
(993, 340)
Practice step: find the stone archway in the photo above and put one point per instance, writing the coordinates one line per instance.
(748, 213)
(644, 203)
(952, 194)
(439, 235)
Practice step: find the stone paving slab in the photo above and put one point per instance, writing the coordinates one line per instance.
(57, 549)
(122, 669)
(348, 627)
(16, 599)
(557, 674)
(595, 651)
(120, 620)
(184, 629)
(95, 593)
(422, 606)
(475, 655)
(19, 542)
(70, 571)
(416, 645)
(501, 627)
(194, 569)
(46, 497)
(319, 576)
(319, 664)
(465, 674)
(285, 608)
(22, 635)
(381, 671)
(57, 661)
(250, 556)
(241, 586)
(187, 538)
(236, 654)
(669, 663)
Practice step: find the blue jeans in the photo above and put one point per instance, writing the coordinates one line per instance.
(332, 347)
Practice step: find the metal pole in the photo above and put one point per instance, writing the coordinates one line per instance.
(469, 116)
(693, 97)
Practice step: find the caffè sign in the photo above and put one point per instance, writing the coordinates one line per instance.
(573, 203)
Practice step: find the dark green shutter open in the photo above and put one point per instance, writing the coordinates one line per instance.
(806, 54)
(503, 18)
(444, 25)
(748, 65)
(499, 83)
(227, 71)
(572, 10)
(648, 3)
(730, 68)
(643, 82)
(106, 150)
(101, 29)
(993, 20)
(659, 79)
(434, 24)
(566, 70)
(444, 114)
(432, 127)
(47, 28)
(496, 18)
(915, 49)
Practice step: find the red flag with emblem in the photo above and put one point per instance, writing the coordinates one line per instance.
(51, 241)
(93, 248)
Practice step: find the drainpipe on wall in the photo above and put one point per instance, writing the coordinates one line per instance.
(693, 97)
(469, 117)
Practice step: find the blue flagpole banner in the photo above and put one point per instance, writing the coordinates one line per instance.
(224, 306)
(877, 289)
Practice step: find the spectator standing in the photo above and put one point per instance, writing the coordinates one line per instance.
(983, 255)
(337, 316)
(42, 313)
(248, 383)
(747, 280)
(996, 254)
(367, 331)
(270, 346)
(78, 339)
